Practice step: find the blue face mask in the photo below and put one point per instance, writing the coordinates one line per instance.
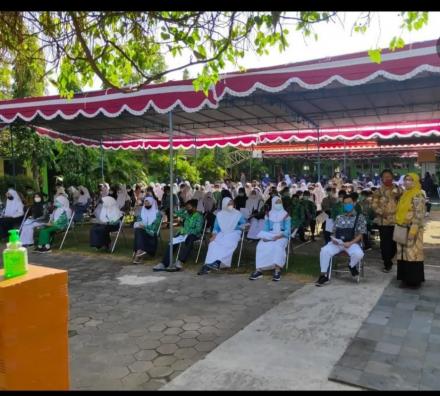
(278, 206)
(348, 208)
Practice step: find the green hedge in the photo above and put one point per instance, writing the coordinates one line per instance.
(21, 182)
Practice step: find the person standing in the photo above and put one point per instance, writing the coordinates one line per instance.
(410, 213)
(384, 205)
(243, 179)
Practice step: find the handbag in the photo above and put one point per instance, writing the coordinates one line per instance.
(400, 234)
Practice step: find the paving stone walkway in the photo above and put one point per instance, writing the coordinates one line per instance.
(398, 345)
(131, 328)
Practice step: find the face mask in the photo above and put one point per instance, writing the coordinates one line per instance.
(230, 208)
(278, 206)
(58, 205)
(147, 206)
(388, 183)
(348, 208)
(37, 199)
(241, 194)
(30, 192)
(10, 197)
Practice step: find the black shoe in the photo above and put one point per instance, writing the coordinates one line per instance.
(276, 276)
(386, 270)
(44, 250)
(323, 280)
(256, 275)
(214, 266)
(354, 271)
(204, 270)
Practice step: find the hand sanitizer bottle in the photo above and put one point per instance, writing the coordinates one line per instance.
(15, 259)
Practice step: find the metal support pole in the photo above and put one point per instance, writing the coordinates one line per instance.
(102, 162)
(345, 158)
(319, 160)
(13, 159)
(170, 120)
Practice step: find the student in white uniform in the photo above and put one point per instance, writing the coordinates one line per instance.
(254, 205)
(225, 237)
(271, 249)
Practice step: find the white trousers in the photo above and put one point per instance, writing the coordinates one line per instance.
(27, 231)
(222, 248)
(331, 249)
(270, 254)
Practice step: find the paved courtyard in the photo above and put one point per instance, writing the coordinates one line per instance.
(131, 328)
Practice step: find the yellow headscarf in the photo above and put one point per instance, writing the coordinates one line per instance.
(405, 201)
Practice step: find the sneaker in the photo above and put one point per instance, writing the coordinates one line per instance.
(159, 267)
(256, 275)
(368, 249)
(214, 266)
(354, 271)
(386, 270)
(140, 253)
(45, 250)
(204, 270)
(323, 280)
(276, 276)
(177, 266)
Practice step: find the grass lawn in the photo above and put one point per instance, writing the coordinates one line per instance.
(77, 241)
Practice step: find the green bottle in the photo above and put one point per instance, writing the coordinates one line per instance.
(15, 259)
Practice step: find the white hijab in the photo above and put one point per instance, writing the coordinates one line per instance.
(122, 196)
(253, 201)
(65, 207)
(110, 211)
(14, 207)
(83, 198)
(276, 216)
(149, 215)
(158, 191)
(287, 179)
(208, 202)
(228, 219)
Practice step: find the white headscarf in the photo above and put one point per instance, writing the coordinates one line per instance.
(83, 199)
(253, 201)
(122, 196)
(277, 216)
(208, 202)
(287, 179)
(110, 211)
(105, 190)
(65, 207)
(61, 191)
(228, 220)
(14, 207)
(303, 186)
(149, 215)
(158, 191)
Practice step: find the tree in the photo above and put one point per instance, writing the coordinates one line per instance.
(121, 48)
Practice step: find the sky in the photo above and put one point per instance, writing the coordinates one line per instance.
(333, 39)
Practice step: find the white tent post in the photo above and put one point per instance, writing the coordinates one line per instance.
(319, 161)
(102, 162)
(170, 119)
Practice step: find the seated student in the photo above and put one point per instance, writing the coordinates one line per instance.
(255, 208)
(365, 203)
(13, 213)
(286, 198)
(240, 199)
(271, 249)
(327, 203)
(192, 229)
(310, 215)
(36, 218)
(225, 237)
(58, 221)
(297, 212)
(208, 208)
(108, 219)
(81, 204)
(348, 228)
(122, 198)
(145, 230)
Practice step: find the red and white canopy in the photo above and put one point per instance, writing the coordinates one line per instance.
(337, 92)
(381, 131)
